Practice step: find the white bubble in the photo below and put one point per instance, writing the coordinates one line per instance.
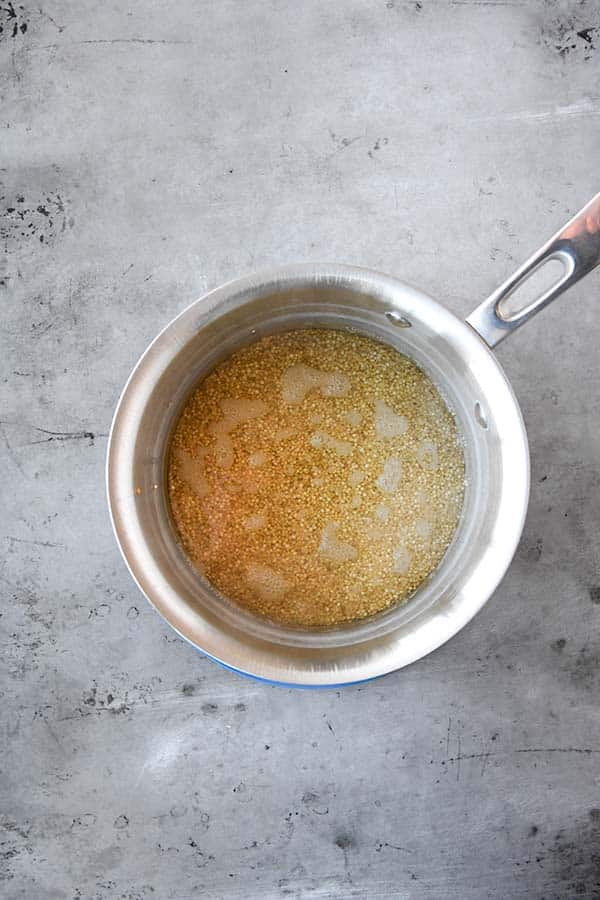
(423, 529)
(321, 439)
(243, 410)
(388, 423)
(389, 479)
(253, 523)
(352, 417)
(356, 477)
(282, 434)
(427, 454)
(267, 583)
(335, 384)
(223, 449)
(234, 412)
(401, 560)
(382, 512)
(257, 459)
(191, 470)
(332, 548)
(299, 380)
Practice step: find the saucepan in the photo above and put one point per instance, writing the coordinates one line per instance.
(457, 355)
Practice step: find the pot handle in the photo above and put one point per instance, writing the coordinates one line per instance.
(576, 246)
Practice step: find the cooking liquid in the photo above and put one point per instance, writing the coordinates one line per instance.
(316, 477)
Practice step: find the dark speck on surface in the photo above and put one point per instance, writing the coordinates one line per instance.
(23, 222)
(573, 36)
(586, 34)
(344, 841)
(595, 594)
(12, 20)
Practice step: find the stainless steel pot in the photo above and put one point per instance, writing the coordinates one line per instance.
(457, 357)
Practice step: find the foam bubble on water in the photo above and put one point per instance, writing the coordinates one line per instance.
(353, 417)
(298, 380)
(257, 459)
(243, 410)
(388, 423)
(223, 451)
(401, 560)
(253, 523)
(382, 512)
(267, 583)
(235, 411)
(223, 445)
(334, 384)
(427, 454)
(332, 548)
(220, 426)
(191, 470)
(320, 439)
(389, 479)
(423, 529)
(282, 434)
(421, 499)
(356, 477)
(454, 503)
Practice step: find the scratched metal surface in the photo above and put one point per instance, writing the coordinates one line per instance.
(151, 151)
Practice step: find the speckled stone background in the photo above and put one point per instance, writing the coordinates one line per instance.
(150, 151)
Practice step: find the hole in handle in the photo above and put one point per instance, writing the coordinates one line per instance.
(532, 288)
(480, 417)
(396, 319)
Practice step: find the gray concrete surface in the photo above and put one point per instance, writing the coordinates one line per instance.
(150, 151)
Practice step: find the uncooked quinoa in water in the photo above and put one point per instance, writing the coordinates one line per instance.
(316, 477)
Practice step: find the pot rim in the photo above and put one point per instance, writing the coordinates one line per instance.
(442, 626)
